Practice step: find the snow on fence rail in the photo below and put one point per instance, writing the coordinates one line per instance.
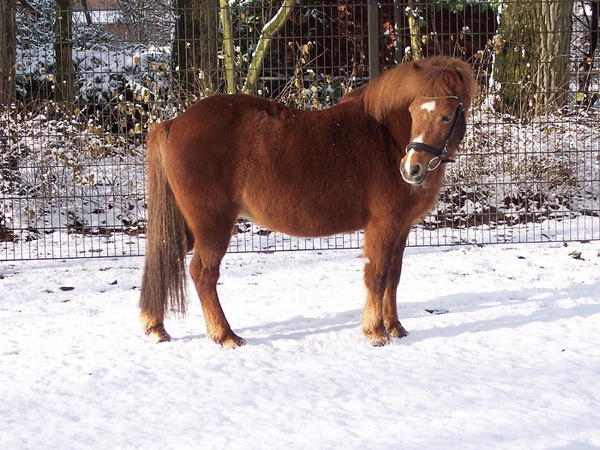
(73, 184)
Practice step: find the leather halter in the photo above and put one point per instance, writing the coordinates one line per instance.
(440, 154)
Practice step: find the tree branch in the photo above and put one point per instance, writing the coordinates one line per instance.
(228, 47)
(29, 8)
(268, 32)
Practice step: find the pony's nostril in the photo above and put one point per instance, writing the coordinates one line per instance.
(416, 170)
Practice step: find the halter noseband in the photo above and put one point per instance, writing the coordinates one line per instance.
(440, 155)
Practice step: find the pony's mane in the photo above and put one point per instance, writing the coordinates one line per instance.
(432, 77)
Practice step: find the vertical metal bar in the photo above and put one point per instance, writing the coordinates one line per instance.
(373, 30)
(398, 13)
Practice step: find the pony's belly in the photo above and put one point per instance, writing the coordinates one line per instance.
(303, 221)
(244, 214)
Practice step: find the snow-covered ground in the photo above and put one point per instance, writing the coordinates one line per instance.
(510, 358)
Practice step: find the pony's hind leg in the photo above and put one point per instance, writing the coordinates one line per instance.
(154, 328)
(161, 281)
(204, 271)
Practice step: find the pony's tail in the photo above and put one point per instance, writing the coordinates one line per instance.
(163, 282)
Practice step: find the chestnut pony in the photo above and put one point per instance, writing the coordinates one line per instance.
(375, 161)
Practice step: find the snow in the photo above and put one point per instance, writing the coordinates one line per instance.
(503, 345)
(510, 360)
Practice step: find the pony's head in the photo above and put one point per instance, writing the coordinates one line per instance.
(438, 126)
(436, 93)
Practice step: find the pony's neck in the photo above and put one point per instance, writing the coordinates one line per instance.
(398, 128)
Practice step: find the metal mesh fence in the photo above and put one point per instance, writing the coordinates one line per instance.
(72, 176)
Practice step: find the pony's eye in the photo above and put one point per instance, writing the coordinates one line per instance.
(446, 118)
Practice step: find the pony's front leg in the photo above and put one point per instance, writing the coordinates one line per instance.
(390, 309)
(372, 317)
(205, 277)
(378, 252)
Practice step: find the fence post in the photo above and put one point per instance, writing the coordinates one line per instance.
(373, 30)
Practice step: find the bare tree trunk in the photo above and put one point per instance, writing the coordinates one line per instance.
(415, 31)
(64, 74)
(228, 47)
(269, 31)
(584, 96)
(552, 75)
(195, 48)
(7, 52)
(532, 56)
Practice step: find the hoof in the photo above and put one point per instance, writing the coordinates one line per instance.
(234, 342)
(158, 334)
(380, 343)
(397, 331)
(378, 338)
(230, 341)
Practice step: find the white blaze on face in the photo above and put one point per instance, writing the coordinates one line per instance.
(429, 107)
(407, 159)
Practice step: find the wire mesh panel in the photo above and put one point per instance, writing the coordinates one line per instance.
(72, 175)
(529, 171)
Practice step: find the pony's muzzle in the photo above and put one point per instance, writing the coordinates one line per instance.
(413, 170)
(414, 174)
